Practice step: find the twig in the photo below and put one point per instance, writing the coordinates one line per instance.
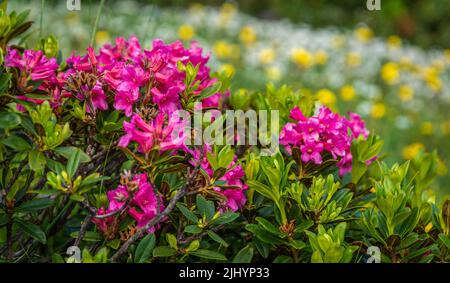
(83, 229)
(161, 215)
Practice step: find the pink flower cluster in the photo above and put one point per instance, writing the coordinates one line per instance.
(33, 65)
(327, 132)
(155, 134)
(235, 191)
(143, 205)
(136, 75)
(124, 75)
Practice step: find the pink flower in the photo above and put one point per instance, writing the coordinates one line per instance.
(326, 132)
(143, 205)
(34, 63)
(167, 101)
(155, 134)
(357, 125)
(312, 151)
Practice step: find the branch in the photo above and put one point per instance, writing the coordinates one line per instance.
(83, 229)
(161, 215)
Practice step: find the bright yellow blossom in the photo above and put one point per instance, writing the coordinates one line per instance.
(267, 56)
(431, 77)
(320, 57)
(394, 42)
(247, 35)
(225, 50)
(378, 110)
(302, 57)
(353, 59)
(326, 97)
(186, 32)
(364, 34)
(426, 128)
(347, 93)
(227, 69)
(390, 72)
(102, 37)
(411, 151)
(273, 73)
(405, 92)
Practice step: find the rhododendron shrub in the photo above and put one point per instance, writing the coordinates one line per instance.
(95, 156)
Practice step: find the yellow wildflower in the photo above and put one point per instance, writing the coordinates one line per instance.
(426, 128)
(102, 37)
(394, 42)
(410, 152)
(405, 92)
(445, 128)
(321, 57)
(326, 97)
(378, 110)
(338, 41)
(186, 32)
(247, 35)
(273, 73)
(227, 69)
(302, 57)
(347, 92)
(390, 73)
(431, 77)
(267, 56)
(224, 50)
(353, 59)
(364, 34)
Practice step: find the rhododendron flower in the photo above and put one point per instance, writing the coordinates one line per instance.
(155, 134)
(142, 207)
(33, 63)
(326, 132)
(235, 195)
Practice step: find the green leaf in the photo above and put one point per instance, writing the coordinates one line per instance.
(217, 238)
(207, 254)
(73, 163)
(163, 251)
(192, 229)
(172, 241)
(269, 227)
(226, 217)
(187, 213)
(9, 120)
(205, 207)
(34, 205)
(210, 91)
(36, 160)
(32, 230)
(245, 255)
(445, 239)
(66, 152)
(16, 143)
(145, 248)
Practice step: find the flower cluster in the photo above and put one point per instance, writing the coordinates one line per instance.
(327, 132)
(135, 75)
(234, 191)
(140, 200)
(155, 134)
(33, 65)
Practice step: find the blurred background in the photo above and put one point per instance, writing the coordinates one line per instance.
(390, 66)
